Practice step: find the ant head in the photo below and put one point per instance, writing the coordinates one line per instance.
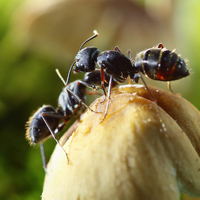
(86, 59)
(37, 131)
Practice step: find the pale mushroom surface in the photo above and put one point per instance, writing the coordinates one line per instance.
(130, 155)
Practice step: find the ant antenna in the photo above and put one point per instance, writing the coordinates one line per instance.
(92, 37)
(69, 73)
(70, 70)
(60, 76)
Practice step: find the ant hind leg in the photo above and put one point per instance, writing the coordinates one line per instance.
(169, 87)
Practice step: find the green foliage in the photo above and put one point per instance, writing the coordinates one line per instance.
(26, 83)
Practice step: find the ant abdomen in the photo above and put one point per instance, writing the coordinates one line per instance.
(172, 67)
(161, 64)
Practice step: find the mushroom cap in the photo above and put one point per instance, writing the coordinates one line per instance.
(140, 151)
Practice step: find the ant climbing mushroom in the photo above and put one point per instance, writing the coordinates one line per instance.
(156, 63)
(47, 121)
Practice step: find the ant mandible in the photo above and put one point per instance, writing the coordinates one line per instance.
(46, 121)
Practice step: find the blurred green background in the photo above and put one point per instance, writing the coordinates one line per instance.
(30, 53)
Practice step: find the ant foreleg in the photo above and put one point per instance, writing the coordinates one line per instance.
(94, 87)
(44, 161)
(80, 100)
(52, 133)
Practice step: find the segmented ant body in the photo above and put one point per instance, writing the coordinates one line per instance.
(47, 121)
(156, 63)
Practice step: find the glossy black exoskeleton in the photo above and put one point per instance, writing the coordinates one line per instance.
(113, 62)
(117, 65)
(159, 63)
(86, 59)
(120, 68)
(94, 78)
(47, 121)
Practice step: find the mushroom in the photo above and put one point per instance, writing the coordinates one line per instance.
(59, 27)
(141, 151)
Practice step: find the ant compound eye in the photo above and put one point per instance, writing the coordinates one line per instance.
(79, 67)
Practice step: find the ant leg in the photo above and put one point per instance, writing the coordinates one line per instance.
(109, 93)
(89, 85)
(56, 115)
(80, 100)
(53, 135)
(94, 87)
(169, 87)
(43, 157)
(153, 97)
(60, 128)
(129, 56)
(77, 97)
(154, 100)
(136, 79)
(102, 83)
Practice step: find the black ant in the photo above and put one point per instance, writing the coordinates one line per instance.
(157, 63)
(46, 121)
